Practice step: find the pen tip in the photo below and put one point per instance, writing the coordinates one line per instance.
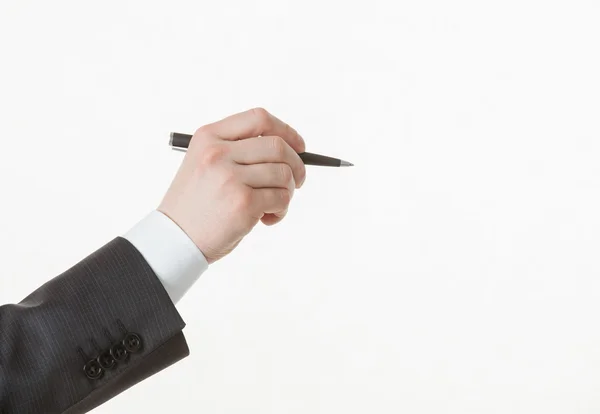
(346, 164)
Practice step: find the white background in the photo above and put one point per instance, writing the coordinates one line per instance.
(454, 269)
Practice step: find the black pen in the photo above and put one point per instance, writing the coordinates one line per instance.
(180, 142)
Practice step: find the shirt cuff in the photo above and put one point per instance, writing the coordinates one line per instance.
(172, 255)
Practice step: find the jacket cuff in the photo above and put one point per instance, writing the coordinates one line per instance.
(80, 333)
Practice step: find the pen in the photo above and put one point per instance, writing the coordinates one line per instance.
(181, 141)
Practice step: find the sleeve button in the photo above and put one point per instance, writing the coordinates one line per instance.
(106, 360)
(119, 352)
(132, 342)
(93, 370)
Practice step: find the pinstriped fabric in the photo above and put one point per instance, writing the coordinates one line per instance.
(112, 290)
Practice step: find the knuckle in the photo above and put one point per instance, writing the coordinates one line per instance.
(277, 144)
(242, 200)
(286, 197)
(212, 154)
(291, 133)
(228, 176)
(200, 138)
(203, 131)
(285, 172)
(262, 116)
(295, 138)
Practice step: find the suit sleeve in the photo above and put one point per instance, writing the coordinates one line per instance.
(87, 335)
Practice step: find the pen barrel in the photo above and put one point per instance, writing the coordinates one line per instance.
(180, 140)
(317, 159)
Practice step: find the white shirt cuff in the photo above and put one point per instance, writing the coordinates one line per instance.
(176, 260)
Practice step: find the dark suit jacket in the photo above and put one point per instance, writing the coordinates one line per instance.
(87, 335)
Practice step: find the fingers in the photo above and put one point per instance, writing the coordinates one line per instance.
(269, 149)
(271, 200)
(275, 175)
(256, 122)
(273, 188)
(271, 219)
(264, 152)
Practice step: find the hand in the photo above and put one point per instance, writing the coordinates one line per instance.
(236, 172)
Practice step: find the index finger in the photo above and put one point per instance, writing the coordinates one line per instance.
(256, 122)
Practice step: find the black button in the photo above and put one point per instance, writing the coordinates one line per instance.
(93, 370)
(106, 360)
(119, 352)
(132, 342)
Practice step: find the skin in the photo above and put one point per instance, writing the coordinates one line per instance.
(238, 171)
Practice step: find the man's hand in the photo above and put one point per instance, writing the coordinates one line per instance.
(236, 172)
